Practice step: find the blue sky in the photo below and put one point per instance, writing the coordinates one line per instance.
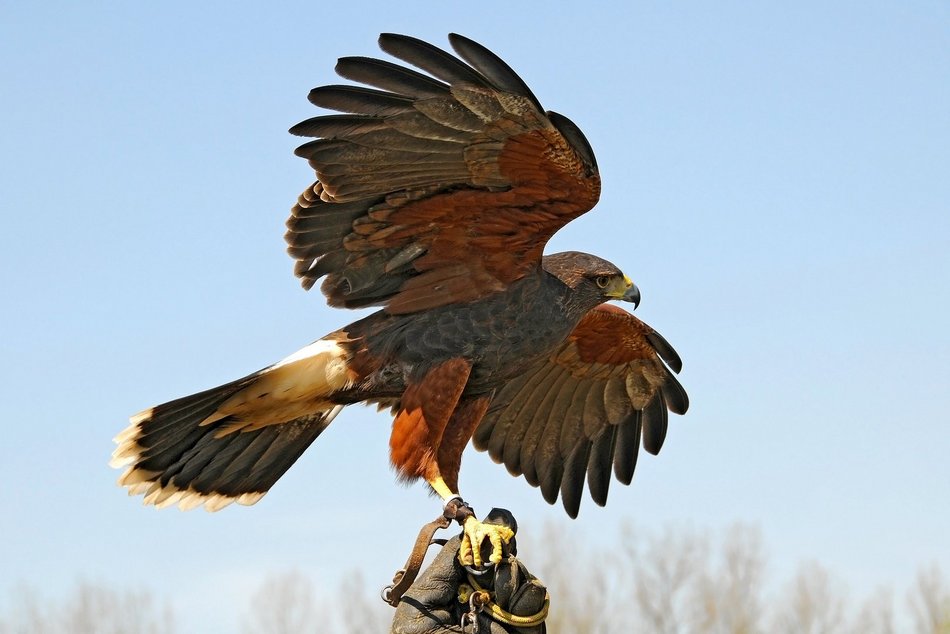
(775, 181)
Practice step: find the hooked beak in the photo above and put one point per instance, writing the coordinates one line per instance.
(626, 291)
(632, 294)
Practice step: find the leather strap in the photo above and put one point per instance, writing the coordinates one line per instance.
(404, 578)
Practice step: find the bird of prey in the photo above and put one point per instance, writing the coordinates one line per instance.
(435, 195)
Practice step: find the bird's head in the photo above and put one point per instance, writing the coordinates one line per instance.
(593, 279)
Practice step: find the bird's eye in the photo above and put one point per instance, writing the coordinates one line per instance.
(602, 281)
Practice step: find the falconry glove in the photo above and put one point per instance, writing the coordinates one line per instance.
(448, 597)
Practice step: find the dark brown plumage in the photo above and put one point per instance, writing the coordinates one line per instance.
(435, 195)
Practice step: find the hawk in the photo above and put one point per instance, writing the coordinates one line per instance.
(435, 195)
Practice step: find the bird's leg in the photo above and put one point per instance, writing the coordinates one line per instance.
(474, 532)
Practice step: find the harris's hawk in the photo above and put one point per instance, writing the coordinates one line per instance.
(435, 195)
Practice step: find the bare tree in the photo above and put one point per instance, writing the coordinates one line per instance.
(28, 615)
(728, 600)
(653, 583)
(96, 609)
(285, 604)
(930, 602)
(815, 603)
(662, 571)
(876, 615)
(361, 610)
(90, 609)
(672, 582)
(579, 584)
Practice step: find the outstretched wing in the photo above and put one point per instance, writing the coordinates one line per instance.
(585, 409)
(433, 189)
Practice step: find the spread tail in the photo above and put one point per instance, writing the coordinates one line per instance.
(231, 443)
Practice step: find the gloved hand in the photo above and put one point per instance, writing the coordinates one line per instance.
(432, 604)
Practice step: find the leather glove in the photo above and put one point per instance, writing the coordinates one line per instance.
(432, 605)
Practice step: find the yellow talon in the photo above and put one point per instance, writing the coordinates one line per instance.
(474, 533)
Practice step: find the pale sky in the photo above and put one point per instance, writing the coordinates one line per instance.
(776, 182)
